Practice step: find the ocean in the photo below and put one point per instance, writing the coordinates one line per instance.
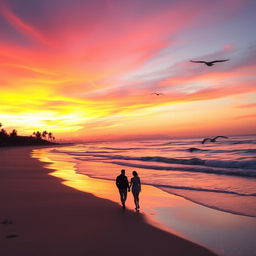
(219, 175)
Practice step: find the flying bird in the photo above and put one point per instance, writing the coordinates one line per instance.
(157, 94)
(208, 63)
(213, 139)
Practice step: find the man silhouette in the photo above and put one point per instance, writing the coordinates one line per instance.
(123, 185)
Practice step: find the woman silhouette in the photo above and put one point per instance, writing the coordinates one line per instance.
(136, 188)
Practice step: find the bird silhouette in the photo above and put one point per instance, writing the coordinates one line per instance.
(208, 63)
(157, 94)
(213, 139)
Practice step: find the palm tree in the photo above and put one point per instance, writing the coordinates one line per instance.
(44, 134)
(13, 133)
(38, 135)
(49, 135)
(3, 133)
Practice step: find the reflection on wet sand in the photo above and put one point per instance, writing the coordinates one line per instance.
(214, 229)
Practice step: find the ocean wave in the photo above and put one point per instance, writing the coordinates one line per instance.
(210, 204)
(234, 151)
(234, 172)
(196, 149)
(204, 190)
(111, 148)
(175, 143)
(247, 164)
(230, 167)
(250, 150)
(167, 143)
(169, 186)
(243, 142)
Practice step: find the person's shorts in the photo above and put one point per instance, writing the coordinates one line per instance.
(123, 190)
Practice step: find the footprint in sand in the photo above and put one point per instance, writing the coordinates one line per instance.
(6, 222)
(11, 236)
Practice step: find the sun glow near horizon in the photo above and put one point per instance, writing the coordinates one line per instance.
(89, 69)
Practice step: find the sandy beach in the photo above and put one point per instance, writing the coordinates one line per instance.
(49, 218)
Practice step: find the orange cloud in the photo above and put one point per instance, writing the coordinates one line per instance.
(252, 116)
(250, 105)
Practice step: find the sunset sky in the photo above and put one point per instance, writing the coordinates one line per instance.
(86, 70)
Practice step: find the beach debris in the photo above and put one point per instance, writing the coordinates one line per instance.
(11, 236)
(208, 63)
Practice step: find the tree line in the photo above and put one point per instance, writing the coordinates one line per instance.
(37, 137)
(44, 135)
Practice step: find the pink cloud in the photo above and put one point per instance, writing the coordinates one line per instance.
(21, 25)
(229, 47)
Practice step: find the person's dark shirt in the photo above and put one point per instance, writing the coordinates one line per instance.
(122, 182)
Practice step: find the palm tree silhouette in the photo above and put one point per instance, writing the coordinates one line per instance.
(13, 133)
(44, 134)
(38, 135)
(49, 135)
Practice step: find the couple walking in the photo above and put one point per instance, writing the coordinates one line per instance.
(123, 185)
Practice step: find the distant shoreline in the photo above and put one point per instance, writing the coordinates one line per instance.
(15, 141)
(28, 145)
(55, 144)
